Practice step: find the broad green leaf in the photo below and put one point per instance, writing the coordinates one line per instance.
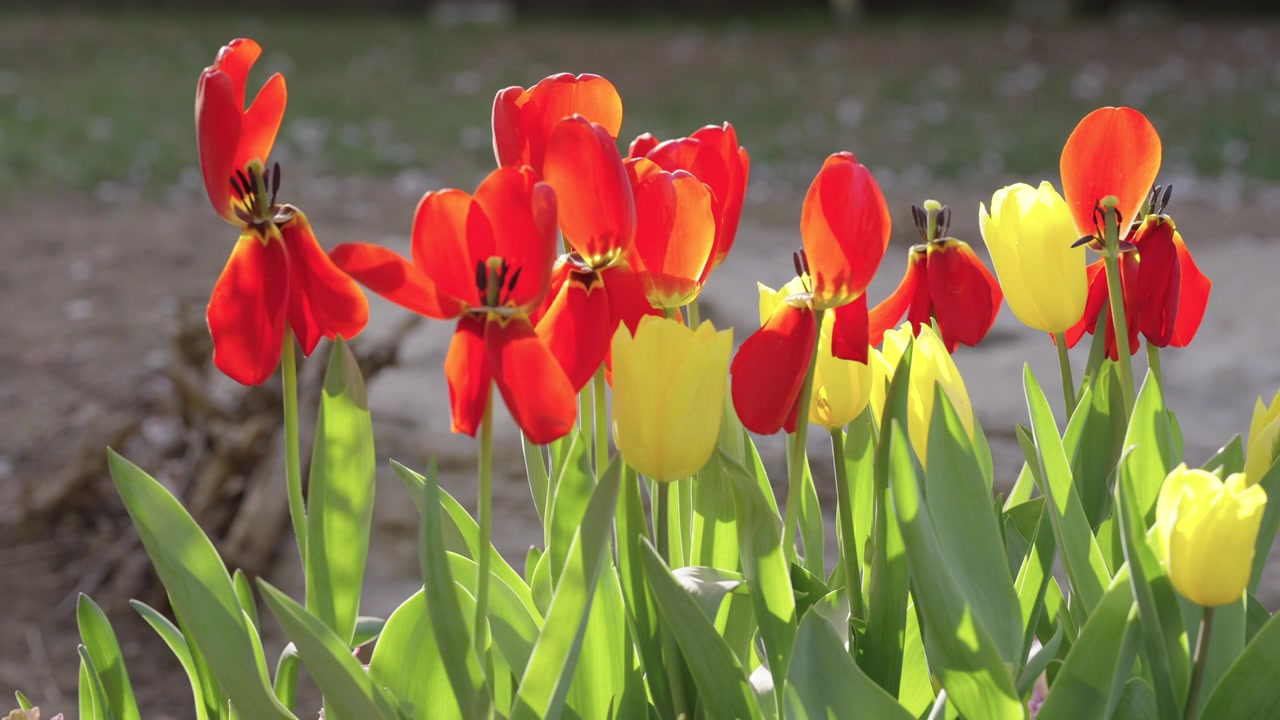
(1226, 643)
(1229, 458)
(715, 534)
(812, 533)
(408, 663)
(350, 693)
(708, 587)
(959, 645)
(1149, 454)
(599, 677)
(722, 685)
(1093, 441)
(859, 460)
(512, 627)
(826, 683)
(982, 453)
(285, 681)
(340, 496)
(1137, 702)
(1037, 663)
(915, 691)
(1249, 688)
(968, 531)
(244, 593)
(368, 628)
(173, 637)
(1270, 522)
(93, 701)
(100, 641)
(545, 683)
(1019, 524)
(1081, 557)
(571, 491)
(1034, 575)
(1256, 616)
(535, 467)
(199, 588)
(1090, 680)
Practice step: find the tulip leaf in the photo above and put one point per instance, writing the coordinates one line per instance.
(1094, 439)
(340, 496)
(177, 643)
(408, 661)
(1256, 616)
(100, 642)
(1089, 683)
(859, 460)
(244, 594)
(91, 689)
(826, 683)
(1248, 689)
(1039, 662)
(545, 683)
(1081, 557)
(709, 586)
(812, 533)
(349, 691)
(968, 531)
(1034, 574)
(1270, 483)
(285, 682)
(1226, 643)
(599, 677)
(199, 588)
(915, 689)
(1137, 702)
(512, 626)
(957, 641)
(723, 690)
(1228, 460)
(535, 467)
(715, 534)
(23, 702)
(1149, 454)
(571, 491)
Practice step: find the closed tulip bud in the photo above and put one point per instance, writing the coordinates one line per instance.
(1029, 233)
(1264, 440)
(1208, 529)
(931, 365)
(668, 395)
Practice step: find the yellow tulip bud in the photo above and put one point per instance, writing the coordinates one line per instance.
(1029, 234)
(931, 365)
(1264, 440)
(668, 395)
(1207, 530)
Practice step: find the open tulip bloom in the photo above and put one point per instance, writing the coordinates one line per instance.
(1088, 588)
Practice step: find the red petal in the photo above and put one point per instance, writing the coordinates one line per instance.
(507, 141)
(1194, 299)
(845, 228)
(1094, 304)
(522, 212)
(394, 278)
(769, 369)
(675, 234)
(561, 96)
(966, 296)
(246, 313)
(921, 310)
(850, 335)
(577, 327)
(597, 212)
(450, 235)
(466, 366)
(1158, 280)
(323, 301)
(627, 301)
(218, 119)
(641, 146)
(885, 316)
(1113, 151)
(262, 122)
(731, 197)
(535, 388)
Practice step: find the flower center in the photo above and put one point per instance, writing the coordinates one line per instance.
(256, 189)
(495, 282)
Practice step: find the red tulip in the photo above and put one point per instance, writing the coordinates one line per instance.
(675, 233)
(523, 120)
(1113, 152)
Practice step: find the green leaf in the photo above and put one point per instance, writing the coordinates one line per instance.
(100, 642)
(960, 648)
(715, 533)
(173, 637)
(1225, 645)
(244, 594)
(1091, 678)
(1137, 702)
(93, 702)
(599, 676)
(722, 685)
(1248, 689)
(408, 663)
(545, 683)
(1036, 567)
(812, 533)
(368, 628)
(199, 587)
(968, 531)
(825, 682)
(1149, 454)
(1229, 458)
(285, 681)
(915, 692)
(23, 702)
(1037, 663)
(708, 587)
(859, 460)
(571, 492)
(350, 693)
(1094, 439)
(1270, 522)
(1256, 616)
(535, 468)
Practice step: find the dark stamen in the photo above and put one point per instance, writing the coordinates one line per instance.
(511, 282)
(235, 187)
(482, 279)
(795, 260)
(944, 222)
(804, 261)
(1083, 241)
(275, 182)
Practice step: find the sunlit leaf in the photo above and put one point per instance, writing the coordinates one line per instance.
(99, 640)
(826, 683)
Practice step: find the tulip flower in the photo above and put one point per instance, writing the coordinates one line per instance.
(712, 155)
(1208, 529)
(486, 261)
(1113, 152)
(845, 229)
(931, 366)
(668, 395)
(278, 276)
(1029, 234)
(1264, 440)
(675, 233)
(523, 120)
(946, 281)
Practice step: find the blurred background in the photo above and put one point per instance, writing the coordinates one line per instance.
(111, 249)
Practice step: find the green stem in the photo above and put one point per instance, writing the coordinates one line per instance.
(586, 417)
(695, 317)
(1197, 677)
(601, 417)
(1064, 364)
(1111, 259)
(1153, 363)
(799, 448)
(485, 517)
(660, 528)
(848, 545)
(292, 456)
(939, 709)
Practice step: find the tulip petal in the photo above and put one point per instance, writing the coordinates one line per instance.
(563, 95)
(507, 138)
(531, 381)
(1095, 301)
(1113, 151)
(394, 278)
(675, 236)
(323, 300)
(845, 228)
(885, 315)
(450, 235)
(732, 195)
(850, 335)
(522, 212)
(769, 370)
(1194, 295)
(246, 313)
(262, 122)
(466, 366)
(577, 326)
(627, 302)
(641, 146)
(1158, 280)
(966, 297)
(218, 120)
(597, 213)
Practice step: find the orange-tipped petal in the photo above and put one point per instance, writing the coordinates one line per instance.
(466, 366)
(675, 235)
(732, 195)
(641, 146)
(394, 278)
(966, 296)
(769, 369)
(508, 146)
(246, 313)
(845, 228)
(218, 121)
(577, 327)
(262, 122)
(1159, 280)
(561, 96)
(1194, 299)
(522, 212)
(1113, 151)
(885, 316)
(451, 233)
(850, 332)
(532, 383)
(596, 209)
(323, 300)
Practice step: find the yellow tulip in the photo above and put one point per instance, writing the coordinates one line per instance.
(668, 395)
(1207, 530)
(1264, 440)
(931, 365)
(1029, 234)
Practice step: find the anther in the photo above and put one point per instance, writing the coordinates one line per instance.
(482, 277)
(795, 260)
(511, 282)
(275, 182)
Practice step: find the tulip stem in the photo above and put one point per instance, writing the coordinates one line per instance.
(292, 456)
(1111, 259)
(485, 518)
(601, 423)
(1197, 677)
(661, 511)
(799, 447)
(848, 543)
(695, 316)
(1064, 364)
(1153, 363)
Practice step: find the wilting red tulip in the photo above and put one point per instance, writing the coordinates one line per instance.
(845, 228)
(277, 273)
(946, 281)
(712, 155)
(675, 233)
(485, 260)
(523, 120)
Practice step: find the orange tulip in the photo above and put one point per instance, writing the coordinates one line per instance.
(675, 233)
(523, 120)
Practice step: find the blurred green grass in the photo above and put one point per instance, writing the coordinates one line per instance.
(89, 100)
